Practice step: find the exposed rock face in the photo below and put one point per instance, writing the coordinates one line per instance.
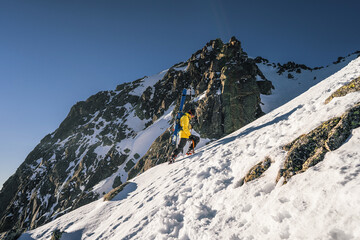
(240, 95)
(92, 144)
(292, 67)
(56, 235)
(110, 195)
(13, 234)
(309, 149)
(158, 153)
(353, 86)
(256, 171)
(227, 85)
(58, 174)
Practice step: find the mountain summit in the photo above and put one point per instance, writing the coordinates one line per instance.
(114, 136)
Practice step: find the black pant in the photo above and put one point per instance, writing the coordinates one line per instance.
(194, 141)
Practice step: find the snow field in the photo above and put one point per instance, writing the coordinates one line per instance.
(198, 197)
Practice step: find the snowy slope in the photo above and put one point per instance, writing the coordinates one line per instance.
(287, 89)
(198, 197)
(146, 136)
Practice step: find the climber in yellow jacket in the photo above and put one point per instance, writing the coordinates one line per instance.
(185, 135)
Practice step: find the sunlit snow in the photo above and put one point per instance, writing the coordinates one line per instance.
(198, 197)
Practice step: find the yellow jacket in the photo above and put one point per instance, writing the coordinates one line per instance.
(185, 125)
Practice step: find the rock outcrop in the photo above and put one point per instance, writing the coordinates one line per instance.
(310, 149)
(227, 87)
(256, 171)
(352, 86)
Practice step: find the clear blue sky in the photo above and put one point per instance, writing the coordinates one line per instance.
(56, 53)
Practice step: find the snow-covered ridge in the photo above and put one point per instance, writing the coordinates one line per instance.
(288, 88)
(198, 197)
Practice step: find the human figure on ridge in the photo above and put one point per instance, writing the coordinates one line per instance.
(185, 135)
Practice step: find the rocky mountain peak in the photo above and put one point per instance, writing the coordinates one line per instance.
(227, 86)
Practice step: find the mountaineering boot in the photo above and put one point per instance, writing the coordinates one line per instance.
(190, 152)
(172, 159)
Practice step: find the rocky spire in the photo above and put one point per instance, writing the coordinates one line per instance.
(229, 85)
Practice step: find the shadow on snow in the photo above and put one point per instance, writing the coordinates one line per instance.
(129, 188)
(251, 129)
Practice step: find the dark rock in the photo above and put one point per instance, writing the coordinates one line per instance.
(13, 234)
(310, 149)
(129, 165)
(109, 196)
(256, 171)
(291, 67)
(117, 181)
(339, 60)
(56, 235)
(158, 153)
(240, 96)
(265, 87)
(261, 60)
(352, 86)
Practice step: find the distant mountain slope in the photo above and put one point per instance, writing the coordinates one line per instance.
(290, 79)
(205, 196)
(115, 135)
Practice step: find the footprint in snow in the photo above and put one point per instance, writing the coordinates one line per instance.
(116, 226)
(283, 200)
(185, 194)
(247, 208)
(204, 211)
(170, 200)
(222, 184)
(127, 218)
(225, 164)
(300, 204)
(337, 234)
(226, 153)
(281, 216)
(265, 190)
(172, 223)
(242, 223)
(265, 230)
(285, 234)
(203, 175)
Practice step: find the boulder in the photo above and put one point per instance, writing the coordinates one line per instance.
(256, 171)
